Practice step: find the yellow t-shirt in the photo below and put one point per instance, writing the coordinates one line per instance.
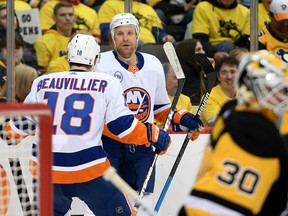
(18, 5)
(59, 64)
(274, 45)
(143, 12)
(183, 103)
(263, 17)
(216, 100)
(221, 24)
(50, 46)
(32, 3)
(86, 17)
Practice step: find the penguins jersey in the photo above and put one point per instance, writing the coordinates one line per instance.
(143, 84)
(273, 43)
(81, 102)
(244, 169)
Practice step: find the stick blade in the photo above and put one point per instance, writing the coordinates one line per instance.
(204, 62)
(173, 59)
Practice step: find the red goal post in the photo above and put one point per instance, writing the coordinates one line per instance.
(25, 160)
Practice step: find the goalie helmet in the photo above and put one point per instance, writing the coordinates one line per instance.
(83, 49)
(262, 80)
(124, 19)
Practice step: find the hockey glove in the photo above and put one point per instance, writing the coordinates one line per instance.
(185, 121)
(158, 138)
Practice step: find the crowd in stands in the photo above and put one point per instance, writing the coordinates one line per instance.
(219, 28)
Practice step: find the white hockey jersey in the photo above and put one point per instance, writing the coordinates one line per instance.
(143, 84)
(81, 102)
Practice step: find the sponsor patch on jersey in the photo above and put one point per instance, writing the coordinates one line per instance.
(139, 102)
(118, 75)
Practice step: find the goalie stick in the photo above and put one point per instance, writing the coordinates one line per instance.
(175, 64)
(112, 176)
(211, 75)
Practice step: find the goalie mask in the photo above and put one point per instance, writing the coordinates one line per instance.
(83, 49)
(262, 82)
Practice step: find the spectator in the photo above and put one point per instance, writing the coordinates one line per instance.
(174, 11)
(171, 87)
(24, 76)
(221, 24)
(18, 5)
(150, 25)
(244, 170)
(193, 87)
(95, 4)
(60, 64)
(54, 42)
(263, 13)
(274, 36)
(86, 17)
(35, 3)
(29, 54)
(238, 52)
(227, 74)
(18, 55)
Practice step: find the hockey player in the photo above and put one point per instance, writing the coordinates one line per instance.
(81, 101)
(143, 82)
(244, 169)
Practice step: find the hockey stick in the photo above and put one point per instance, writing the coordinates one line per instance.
(211, 75)
(112, 176)
(175, 64)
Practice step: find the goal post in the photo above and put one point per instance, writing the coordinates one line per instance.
(25, 160)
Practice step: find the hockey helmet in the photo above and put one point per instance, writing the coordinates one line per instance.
(124, 19)
(83, 49)
(262, 80)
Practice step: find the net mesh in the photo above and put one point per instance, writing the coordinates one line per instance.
(19, 166)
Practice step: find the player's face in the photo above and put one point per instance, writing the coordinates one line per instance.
(126, 40)
(227, 76)
(64, 19)
(171, 82)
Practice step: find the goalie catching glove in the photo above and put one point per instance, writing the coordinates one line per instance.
(158, 138)
(185, 121)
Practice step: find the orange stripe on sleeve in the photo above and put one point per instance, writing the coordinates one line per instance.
(138, 136)
(162, 116)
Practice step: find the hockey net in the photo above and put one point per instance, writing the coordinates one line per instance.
(25, 160)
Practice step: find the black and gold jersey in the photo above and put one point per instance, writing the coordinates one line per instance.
(244, 169)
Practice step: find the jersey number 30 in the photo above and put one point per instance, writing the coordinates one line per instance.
(245, 179)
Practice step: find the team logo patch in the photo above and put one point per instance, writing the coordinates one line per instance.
(139, 102)
(118, 75)
(282, 54)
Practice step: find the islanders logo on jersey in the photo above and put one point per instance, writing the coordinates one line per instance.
(139, 102)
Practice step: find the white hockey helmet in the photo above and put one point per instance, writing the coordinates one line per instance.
(262, 80)
(124, 19)
(83, 49)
